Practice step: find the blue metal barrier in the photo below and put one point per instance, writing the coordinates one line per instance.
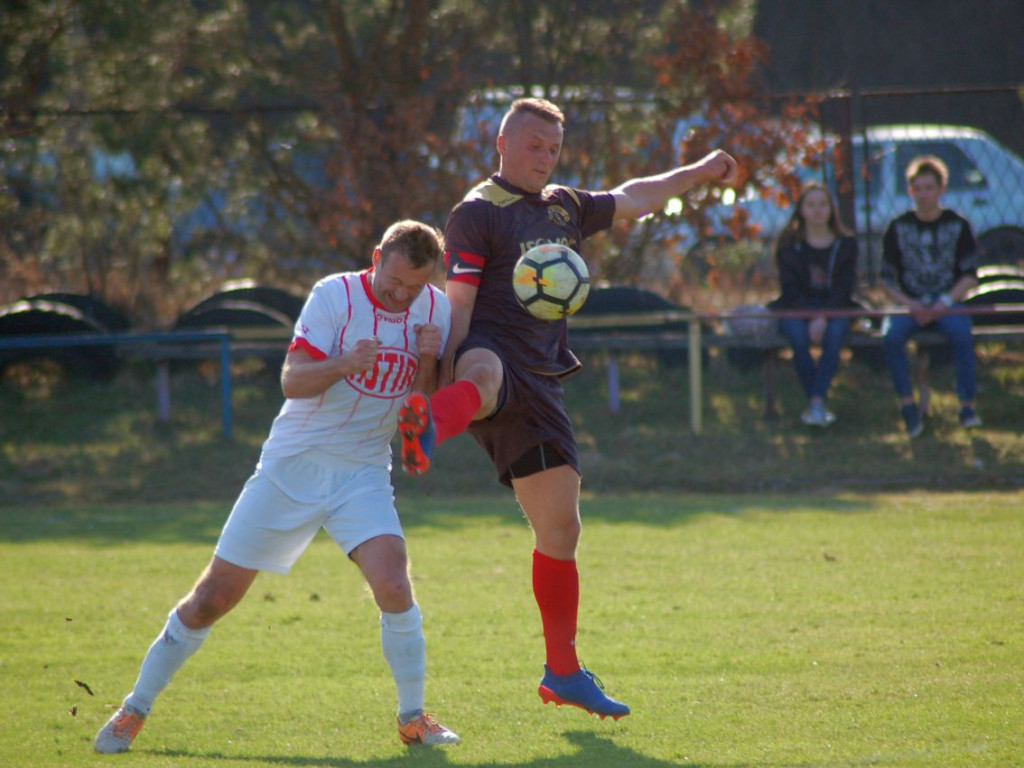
(219, 336)
(616, 339)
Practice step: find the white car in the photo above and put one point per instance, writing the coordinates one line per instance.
(986, 185)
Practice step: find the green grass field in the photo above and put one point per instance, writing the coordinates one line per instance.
(773, 630)
(870, 616)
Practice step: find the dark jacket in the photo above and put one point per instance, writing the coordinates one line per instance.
(817, 278)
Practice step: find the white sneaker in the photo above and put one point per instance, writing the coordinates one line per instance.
(425, 730)
(120, 731)
(817, 415)
(969, 418)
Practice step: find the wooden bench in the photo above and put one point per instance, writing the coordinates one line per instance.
(774, 345)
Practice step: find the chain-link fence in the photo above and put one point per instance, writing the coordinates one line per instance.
(863, 145)
(978, 134)
(72, 203)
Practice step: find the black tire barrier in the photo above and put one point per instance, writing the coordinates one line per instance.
(990, 293)
(234, 314)
(1002, 245)
(276, 299)
(114, 320)
(52, 318)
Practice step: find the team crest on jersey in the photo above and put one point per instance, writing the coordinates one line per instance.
(558, 216)
(391, 377)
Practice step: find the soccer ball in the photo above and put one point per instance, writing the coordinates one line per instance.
(551, 281)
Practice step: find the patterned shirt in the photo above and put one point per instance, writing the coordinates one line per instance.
(927, 258)
(356, 417)
(487, 232)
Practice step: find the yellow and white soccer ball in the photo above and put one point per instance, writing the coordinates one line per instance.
(551, 281)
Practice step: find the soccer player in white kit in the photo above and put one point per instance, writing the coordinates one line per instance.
(362, 343)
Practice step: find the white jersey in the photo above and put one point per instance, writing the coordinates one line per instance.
(356, 417)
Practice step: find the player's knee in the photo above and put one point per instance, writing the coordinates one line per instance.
(486, 378)
(393, 593)
(559, 538)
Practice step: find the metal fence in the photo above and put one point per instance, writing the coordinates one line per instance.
(978, 133)
(863, 146)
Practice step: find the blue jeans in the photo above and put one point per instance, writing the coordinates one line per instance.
(815, 378)
(899, 329)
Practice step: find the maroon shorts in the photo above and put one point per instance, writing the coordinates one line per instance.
(530, 429)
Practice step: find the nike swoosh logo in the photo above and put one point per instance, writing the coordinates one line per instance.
(459, 269)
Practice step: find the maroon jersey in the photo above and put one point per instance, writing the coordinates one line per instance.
(487, 232)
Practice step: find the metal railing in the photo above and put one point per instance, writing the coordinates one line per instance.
(161, 346)
(615, 334)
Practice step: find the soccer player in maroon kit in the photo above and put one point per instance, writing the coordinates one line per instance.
(505, 366)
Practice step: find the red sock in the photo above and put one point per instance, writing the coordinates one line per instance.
(556, 586)
(453, 408)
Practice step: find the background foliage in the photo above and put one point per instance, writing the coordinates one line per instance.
(147, 161)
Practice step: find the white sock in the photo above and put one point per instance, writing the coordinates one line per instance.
(168, 652)
(405, 648)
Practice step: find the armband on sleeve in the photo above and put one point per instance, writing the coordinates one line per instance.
(464, 267)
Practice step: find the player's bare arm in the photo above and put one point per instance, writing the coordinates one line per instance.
(462, 297)
(428, 342)
(641, 196)
(303, 376)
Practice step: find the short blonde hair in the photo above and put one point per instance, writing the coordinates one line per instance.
(541, 108)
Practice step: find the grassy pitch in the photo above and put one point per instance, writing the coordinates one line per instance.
(829, 630)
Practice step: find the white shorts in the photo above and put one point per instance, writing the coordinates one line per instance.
(287, 500)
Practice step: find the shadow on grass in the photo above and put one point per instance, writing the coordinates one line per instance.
(591, 751)
(201, 522)
(114, 525)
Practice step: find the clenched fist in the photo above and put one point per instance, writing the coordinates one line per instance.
(428, 340)
(363, 356)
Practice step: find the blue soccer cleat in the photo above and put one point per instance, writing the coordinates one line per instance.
(581, 689)
(416, 426)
